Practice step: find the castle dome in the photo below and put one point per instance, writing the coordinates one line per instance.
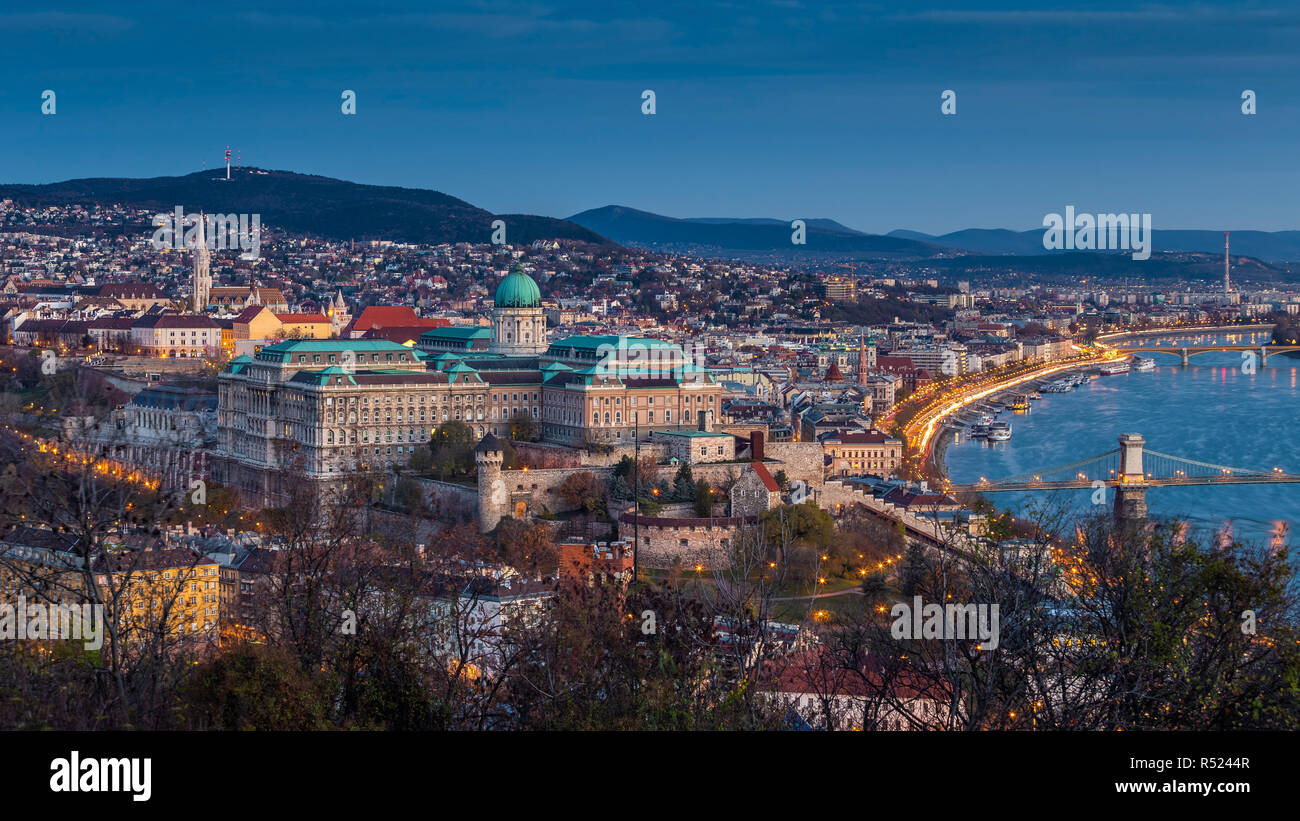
(518, 290)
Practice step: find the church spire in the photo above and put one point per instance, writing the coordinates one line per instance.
(862, 359)
(201, 279)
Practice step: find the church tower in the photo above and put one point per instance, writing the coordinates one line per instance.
(202, 277)
(338, 314)
(518, 323)
(866, 358)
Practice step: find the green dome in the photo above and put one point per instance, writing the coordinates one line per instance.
(518, 290)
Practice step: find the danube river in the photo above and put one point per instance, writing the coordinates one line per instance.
(1214, 411)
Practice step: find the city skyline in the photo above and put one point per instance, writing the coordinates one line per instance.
(725, 367)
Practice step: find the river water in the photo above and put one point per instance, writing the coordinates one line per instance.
(1213, 411)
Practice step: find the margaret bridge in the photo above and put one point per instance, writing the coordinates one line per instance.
(1186, 352)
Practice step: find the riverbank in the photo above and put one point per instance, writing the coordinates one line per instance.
(939, 443)
(928, 431)
(940, 425)
(1216, 412)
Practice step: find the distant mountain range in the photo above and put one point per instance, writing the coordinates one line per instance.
(748, 236)
(338, 209)
(1272, 246)
(308, 204)
(745, 237)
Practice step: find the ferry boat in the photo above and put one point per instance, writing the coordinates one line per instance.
(1142, 364)
(1019, 401)
(1113, 368)
(980, 429)
(999, 431)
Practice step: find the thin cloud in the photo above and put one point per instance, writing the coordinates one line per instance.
(83, 23)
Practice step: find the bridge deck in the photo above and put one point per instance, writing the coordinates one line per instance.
(1084, 484)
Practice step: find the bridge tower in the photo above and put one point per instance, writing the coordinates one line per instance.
(1131, 484)
(1187, 359)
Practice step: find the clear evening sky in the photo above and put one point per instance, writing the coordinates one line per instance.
(773, 108)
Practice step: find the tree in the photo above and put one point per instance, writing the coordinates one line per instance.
(451, 448)
(421, 460)
(530, 549)
(407, 495)
(256, 687)
(805, 523)
(912, 574)
(684, 484)
(703, 498)
(523, 427)
(582, 490)
(875, 587)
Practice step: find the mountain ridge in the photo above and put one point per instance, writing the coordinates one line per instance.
(632, 226)
(309, 204)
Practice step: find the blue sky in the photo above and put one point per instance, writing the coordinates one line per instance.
(776, 108)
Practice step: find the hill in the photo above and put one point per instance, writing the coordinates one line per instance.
(309, 204)
(744, 237)
(1271, 246)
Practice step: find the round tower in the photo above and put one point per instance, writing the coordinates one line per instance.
(492, 497)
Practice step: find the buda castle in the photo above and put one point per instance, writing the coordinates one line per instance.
(321, 409)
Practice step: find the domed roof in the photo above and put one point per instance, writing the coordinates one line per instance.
(518, 290)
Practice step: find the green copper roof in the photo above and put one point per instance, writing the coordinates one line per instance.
(592, 342)
(457, 332)
(518, 290)
(318, 345)
(322, 377)
(289, 350)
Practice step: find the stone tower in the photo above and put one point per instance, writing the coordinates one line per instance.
(1131, 487)
(492, 497)
(518, 322)
(202, 277)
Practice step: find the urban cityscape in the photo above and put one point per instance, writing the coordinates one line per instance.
(285, 448)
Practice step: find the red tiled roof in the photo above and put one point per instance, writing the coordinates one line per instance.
(816, 671)
(871, 437)
(402, 333)
(248, 313)
(385, 315)
(302, 317)
(768, 481)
